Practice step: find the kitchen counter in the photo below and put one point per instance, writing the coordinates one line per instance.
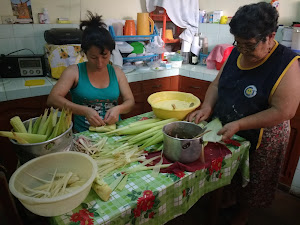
(14, 88)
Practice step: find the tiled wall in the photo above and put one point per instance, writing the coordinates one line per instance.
(295, 188)
(18, 36)
(216, 34)
(220, 34)
(31, 36)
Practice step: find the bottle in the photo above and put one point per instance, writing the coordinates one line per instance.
(195, 51)
(193, 59)
(46, 16)
(204, 42)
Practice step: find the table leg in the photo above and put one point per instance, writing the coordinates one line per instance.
(215, 204)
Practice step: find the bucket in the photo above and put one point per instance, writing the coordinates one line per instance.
(179, 144)
(26, 152)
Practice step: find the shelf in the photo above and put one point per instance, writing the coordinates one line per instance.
(133, 38)
(172, 41)
(159, 17)
(140, 58)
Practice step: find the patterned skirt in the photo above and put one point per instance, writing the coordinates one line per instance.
(265, 165)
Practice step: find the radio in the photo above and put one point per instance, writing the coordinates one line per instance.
(13, 66)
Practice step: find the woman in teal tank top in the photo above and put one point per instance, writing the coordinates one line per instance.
(95, 85)
(99, 99)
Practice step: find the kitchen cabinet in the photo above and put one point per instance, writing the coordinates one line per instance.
(142, 89)
(292, 153)
(194, 86)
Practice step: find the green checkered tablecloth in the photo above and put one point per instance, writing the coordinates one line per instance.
(148, 199)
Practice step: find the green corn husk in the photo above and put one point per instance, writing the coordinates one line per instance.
(157, 138)
(138, 129)
(30, 138)
(43, 121)
(30, 127)
(36, 125)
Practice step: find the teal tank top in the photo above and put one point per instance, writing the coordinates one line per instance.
(100, 99)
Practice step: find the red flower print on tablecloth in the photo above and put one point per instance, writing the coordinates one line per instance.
(151, 214)
(75, 217)
(180, 174)
(215, 168)
(137, 212)
(146, 203)
(147, 193)
(84, 216)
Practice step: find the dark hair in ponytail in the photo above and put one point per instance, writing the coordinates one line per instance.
(95, 34)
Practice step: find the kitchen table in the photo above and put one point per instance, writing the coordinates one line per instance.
(150, 199)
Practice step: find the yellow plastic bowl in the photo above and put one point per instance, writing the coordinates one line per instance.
(173, 95)
(42, 167)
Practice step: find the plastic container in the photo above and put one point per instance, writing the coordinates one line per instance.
(46, 16)
(225, 56)
(203, 57)
(176, 64)
(173, 95)
(43, 167)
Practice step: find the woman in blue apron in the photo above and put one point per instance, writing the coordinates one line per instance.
(255, 95)
(95, 85)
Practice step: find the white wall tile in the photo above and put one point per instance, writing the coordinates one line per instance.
(7, 45)
(224, 29)
(6, 31)
(39, 29)
(227, 39)
(28, 42)
(62, 25)
(23, 30)
(212, 28)
(212, 42)
(202, 28)
(39, 45)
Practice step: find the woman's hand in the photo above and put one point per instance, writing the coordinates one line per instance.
(229, 130)
(93, 117)
(199, 115)
(112, 115)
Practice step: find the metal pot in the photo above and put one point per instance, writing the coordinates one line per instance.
(26, 152)
(179, 144)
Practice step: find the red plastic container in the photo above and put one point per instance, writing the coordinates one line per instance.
(227, 52)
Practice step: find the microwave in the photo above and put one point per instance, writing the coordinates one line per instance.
(13, 66)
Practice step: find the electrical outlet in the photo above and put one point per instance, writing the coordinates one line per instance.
(8, 19)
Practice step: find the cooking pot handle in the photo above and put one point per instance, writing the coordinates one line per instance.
(186, 145)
